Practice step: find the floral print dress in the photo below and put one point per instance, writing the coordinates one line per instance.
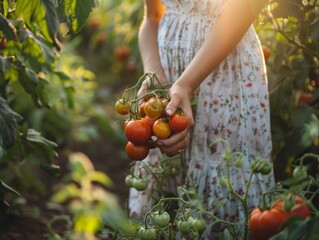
(232, 103)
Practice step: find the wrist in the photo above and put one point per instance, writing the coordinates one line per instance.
(184, 84)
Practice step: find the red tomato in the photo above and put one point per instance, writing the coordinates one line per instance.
(266, 52)
(178, 122)
(148, 120)
(122, 52)
(161, 129)
(305, 98)
(138, 131)
(299, 209)
(136, 152)
(264, 224)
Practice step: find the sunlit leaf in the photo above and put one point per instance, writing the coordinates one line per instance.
(4, 7)
(100, 177)
(80, 164)
(66, 193)
(77, 12)
(37, 52)
(87, 223)
(41, 13)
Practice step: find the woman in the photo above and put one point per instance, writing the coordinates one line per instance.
(208, 50)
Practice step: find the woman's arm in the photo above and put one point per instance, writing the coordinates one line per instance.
(234, 21)
(147, 38)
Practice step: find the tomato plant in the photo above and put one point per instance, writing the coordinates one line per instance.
(137, 152)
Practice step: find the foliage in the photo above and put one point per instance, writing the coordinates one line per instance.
(290, 30)
(89, 202)
(30, 43)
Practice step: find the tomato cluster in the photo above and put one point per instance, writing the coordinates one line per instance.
(264, 224)
(148, 121)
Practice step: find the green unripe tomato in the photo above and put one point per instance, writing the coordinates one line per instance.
(239, 162)
(140, 184)
(300, 172)
(129, 180)
(147, 233)
(199, 224)
(185, 226)
(161, 219)
(224, 182)
(226, 156)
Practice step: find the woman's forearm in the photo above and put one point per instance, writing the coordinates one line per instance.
(147, 40)
(224, 36)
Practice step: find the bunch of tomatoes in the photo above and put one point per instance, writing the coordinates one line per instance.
(147, 120)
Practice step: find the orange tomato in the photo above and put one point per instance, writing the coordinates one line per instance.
(161, 129)
(154, 108)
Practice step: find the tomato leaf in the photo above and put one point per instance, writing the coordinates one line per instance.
(77, 11)
(38, 54)
(40, 14)
(8, 124)
(300, 229)
(8, 29)
(5, 63)
(4, 7)
(34, 86)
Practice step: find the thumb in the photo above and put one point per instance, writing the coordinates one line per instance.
(171, 107)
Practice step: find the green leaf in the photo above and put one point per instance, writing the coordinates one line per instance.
(41, 146)
(68, 192)
(40, 14)
(8, 124)
(34, 85)
(38, 53)
(8, 29)
(5, 7)
(100, 177)
(36, 137)
(77, 12)
(5, 63)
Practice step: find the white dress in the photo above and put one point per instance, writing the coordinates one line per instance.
(232, 103)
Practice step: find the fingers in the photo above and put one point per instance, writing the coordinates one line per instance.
(173, 144)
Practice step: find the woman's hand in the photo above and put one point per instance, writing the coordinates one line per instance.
(180, 98)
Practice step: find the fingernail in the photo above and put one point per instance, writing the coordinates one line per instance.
(169, 111)
(159, 143)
